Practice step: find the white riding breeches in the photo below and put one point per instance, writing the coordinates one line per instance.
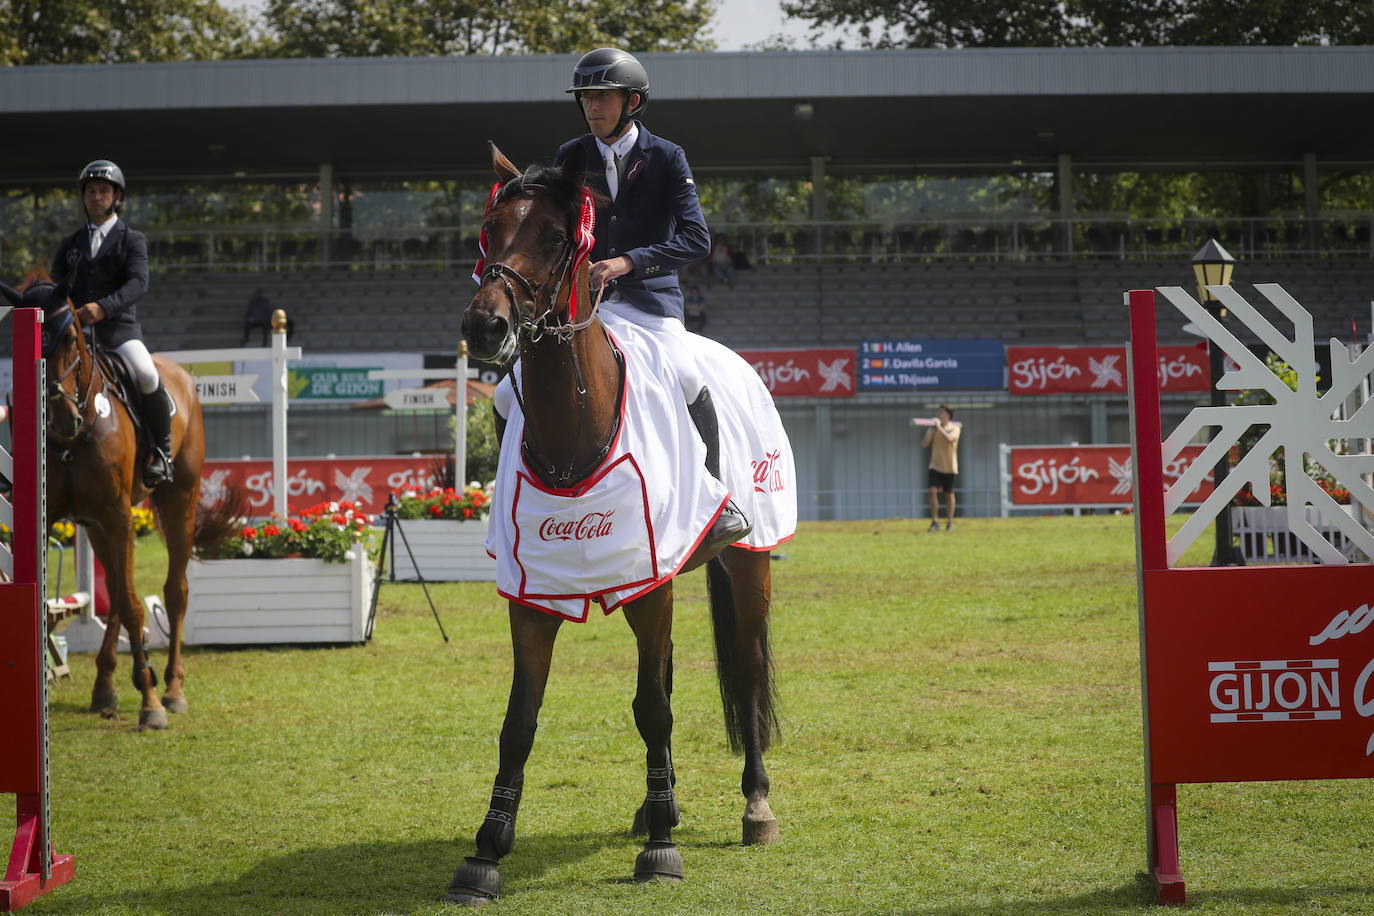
(677, 349)
(140, 365)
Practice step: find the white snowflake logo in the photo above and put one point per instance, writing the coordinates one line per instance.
(1298, 421)
(835, 374)
(1121, 473)
(214, 489)
(354, 486)
(1105, 372)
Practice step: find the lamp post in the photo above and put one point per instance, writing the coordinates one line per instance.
(1212, 266)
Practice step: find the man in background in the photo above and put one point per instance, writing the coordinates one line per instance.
(943, 441)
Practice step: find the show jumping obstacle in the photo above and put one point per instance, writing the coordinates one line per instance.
(33, 869)
(1250, 673)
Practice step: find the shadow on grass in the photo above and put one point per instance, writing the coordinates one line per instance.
(1139, 894)
(357, 878)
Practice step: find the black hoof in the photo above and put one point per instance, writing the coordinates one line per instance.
(658, 860)
(476, 882)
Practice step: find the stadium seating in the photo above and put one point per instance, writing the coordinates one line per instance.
(768, 306)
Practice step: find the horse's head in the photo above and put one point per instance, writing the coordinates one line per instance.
(63, 350)
(531, 238)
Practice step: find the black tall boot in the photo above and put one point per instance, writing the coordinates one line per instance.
(732, 524)
(158, 408)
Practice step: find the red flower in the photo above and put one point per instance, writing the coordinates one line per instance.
(271, 530)
(248, 533)
(436, 511)
(467, 513)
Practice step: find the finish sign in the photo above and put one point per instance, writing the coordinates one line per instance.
(226, 389)
(417, 398)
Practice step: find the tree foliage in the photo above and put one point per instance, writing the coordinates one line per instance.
(1088, 23)
(127, 31)
(401, 28)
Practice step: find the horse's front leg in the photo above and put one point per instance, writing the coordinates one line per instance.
(478, 880)
(126, 608)
(651, 619)
(176, 504)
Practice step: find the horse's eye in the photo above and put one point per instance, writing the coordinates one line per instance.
(553, 237)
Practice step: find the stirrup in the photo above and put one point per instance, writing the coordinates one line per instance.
(158, 470)
(730, 526)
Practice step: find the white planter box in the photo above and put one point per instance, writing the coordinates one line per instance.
(269, 602)
(445, 550)
(1266, 540)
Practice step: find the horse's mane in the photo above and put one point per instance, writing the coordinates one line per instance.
(34, 275)
(565, 189)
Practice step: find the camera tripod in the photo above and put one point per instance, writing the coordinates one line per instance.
(393, 527)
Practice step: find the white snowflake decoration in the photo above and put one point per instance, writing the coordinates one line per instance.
(1299, 422)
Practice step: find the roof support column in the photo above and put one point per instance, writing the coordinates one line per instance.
(326, 211)
(819, 205)
(1310, 203)
(1065, 185)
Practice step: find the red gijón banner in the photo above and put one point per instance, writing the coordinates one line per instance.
(1085, 475)
(365, 481)
(820, 373)
(1085, 370)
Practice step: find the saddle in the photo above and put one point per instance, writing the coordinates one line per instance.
(119, 384)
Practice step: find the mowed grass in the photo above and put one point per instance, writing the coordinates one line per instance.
(961, 735)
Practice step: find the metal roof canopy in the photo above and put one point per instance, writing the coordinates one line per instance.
(732, 111)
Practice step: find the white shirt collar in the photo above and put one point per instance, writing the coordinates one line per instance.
(622, 146)
(106, 226)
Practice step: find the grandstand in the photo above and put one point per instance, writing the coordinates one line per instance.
(768, 307)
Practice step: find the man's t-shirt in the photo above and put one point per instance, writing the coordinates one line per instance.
(944, 455)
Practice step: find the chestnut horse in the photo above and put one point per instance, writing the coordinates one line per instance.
(570, 386)
(93, 479)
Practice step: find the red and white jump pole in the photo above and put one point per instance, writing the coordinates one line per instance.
(33, 869)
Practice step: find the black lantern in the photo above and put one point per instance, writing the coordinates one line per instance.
(1212, 266)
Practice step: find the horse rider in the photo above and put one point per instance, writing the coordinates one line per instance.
(108, 264)
(649, 224)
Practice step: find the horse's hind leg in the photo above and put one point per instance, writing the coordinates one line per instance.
(651, 619)
(477, 881)
(747, 684)
(176, 514)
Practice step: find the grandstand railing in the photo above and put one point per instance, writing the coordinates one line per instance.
(298, 247)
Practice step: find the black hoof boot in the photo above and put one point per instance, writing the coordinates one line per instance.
(658, 860)
(476, 882)
(641, 824)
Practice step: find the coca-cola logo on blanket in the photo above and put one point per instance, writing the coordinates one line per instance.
(592, 525)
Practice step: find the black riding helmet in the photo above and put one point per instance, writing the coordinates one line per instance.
(104, 170)
(611, 68)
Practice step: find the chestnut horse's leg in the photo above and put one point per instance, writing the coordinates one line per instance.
(104, 697)
(752, 691)
(651, 619)
(176, 509)
(532, 632)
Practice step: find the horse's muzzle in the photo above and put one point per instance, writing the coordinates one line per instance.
(489, 336)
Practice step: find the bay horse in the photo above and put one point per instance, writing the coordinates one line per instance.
(93, 478)
(571, 383)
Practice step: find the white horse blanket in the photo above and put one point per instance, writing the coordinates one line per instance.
(632, 524)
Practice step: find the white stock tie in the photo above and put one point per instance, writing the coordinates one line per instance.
(96, 238)
(612, 174)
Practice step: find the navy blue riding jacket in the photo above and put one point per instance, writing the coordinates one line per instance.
(655, 220)
(116, 278)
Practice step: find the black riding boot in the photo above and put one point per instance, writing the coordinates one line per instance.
(157, 413)
(732, 524)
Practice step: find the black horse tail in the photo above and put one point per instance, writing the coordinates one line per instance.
(745, 695)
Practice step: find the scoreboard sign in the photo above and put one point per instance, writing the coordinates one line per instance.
(927, 365)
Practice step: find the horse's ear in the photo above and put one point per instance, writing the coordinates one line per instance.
(575, 165)
(61, 291)
(14, 298)
(505, 170)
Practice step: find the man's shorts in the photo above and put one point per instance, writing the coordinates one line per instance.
(941, 481)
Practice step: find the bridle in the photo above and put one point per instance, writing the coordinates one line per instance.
(57, 390)
(533, 328)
